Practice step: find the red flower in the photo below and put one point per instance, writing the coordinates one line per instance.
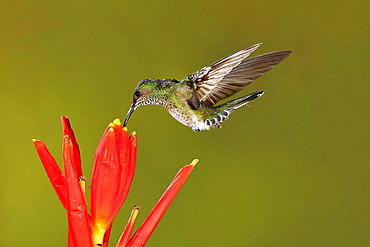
(113, 171)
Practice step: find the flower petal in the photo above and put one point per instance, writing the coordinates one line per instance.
(142, 234)
(52, 170)
(105, 180)
(128, 171)
(113, 173)
(78, 221)
(67, 131)
(122, 141)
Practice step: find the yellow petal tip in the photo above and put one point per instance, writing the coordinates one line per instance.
(194, 162)
(133, 133)
(117, 121)
(34, 140)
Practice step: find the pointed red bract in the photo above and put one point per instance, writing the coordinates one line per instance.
(78, 223)
(123, 240)
(68, 131)
(129, 170)
(52, 170)
(142, 234)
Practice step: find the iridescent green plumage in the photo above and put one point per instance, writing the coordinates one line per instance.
(192, 100)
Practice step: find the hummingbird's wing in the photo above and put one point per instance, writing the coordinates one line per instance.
(229, 75)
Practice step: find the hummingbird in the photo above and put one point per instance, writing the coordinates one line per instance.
(192, 100)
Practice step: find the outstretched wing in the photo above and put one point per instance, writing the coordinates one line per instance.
(230, 75)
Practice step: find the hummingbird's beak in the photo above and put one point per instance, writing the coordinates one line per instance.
(130, 111)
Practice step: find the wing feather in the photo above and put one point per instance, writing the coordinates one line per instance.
(231, 74)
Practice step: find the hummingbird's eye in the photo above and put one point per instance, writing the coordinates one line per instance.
(137, 93)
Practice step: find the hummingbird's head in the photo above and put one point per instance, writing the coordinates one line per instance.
(146, 93)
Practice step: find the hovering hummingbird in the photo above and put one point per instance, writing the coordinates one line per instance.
(192, 100)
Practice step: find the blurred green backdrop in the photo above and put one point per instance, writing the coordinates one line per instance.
(291, 170)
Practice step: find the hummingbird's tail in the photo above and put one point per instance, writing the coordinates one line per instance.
(235, 104)
(222, 112)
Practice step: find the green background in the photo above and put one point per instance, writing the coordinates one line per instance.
(291, 170)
